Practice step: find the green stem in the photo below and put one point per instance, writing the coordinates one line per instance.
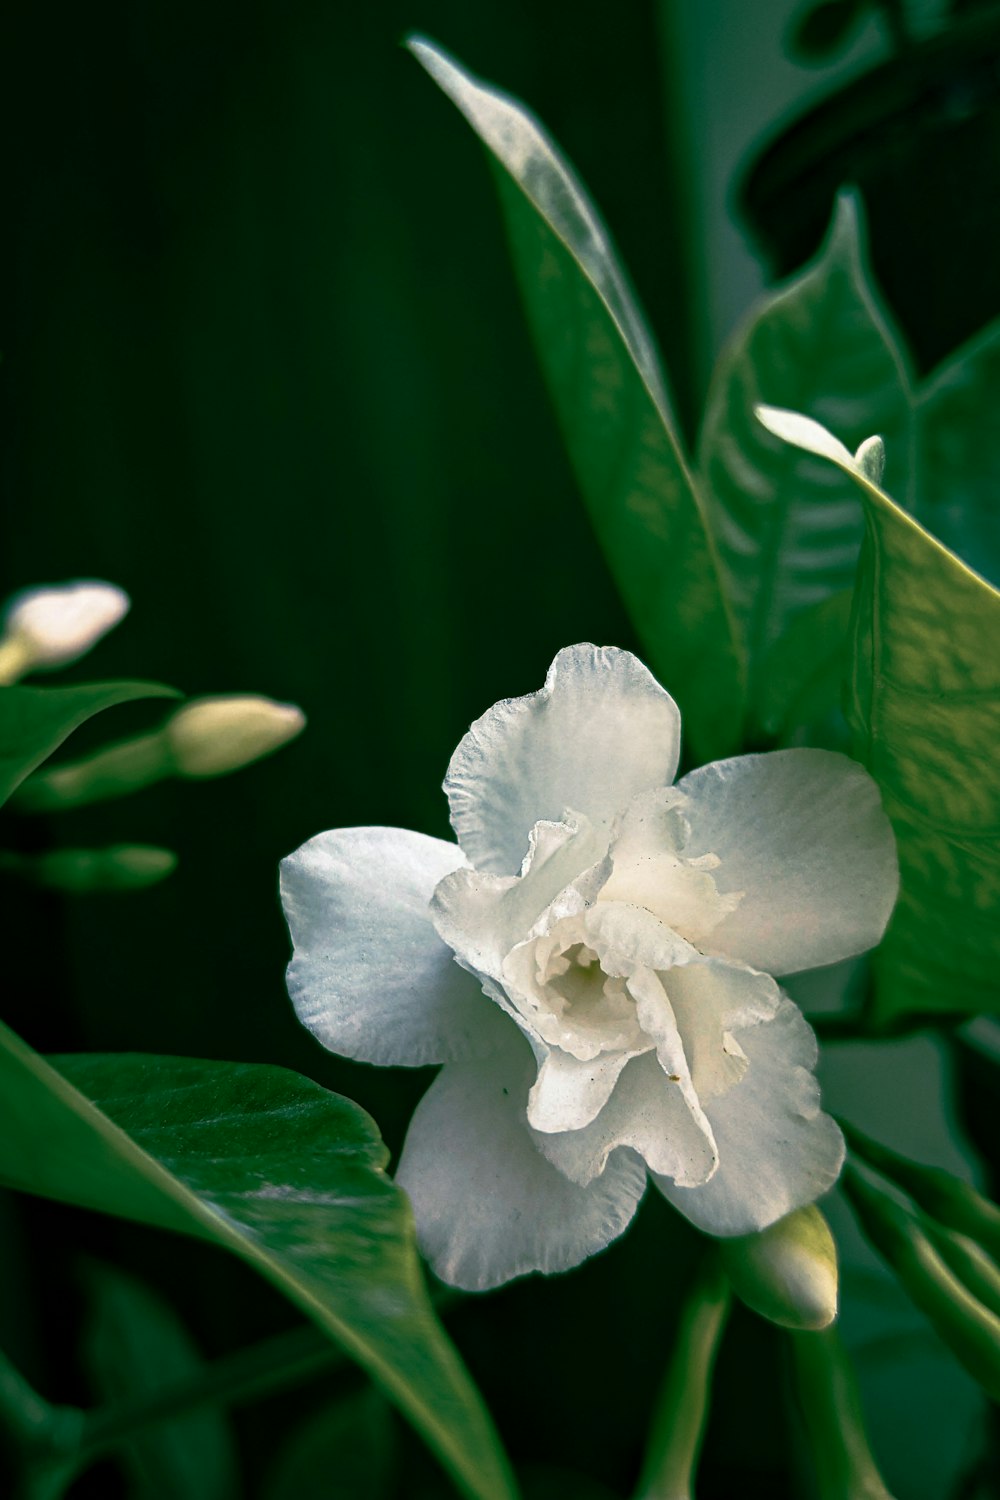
(831, 1410)
(681, 1413)
(24, 1415)
(286, 1360)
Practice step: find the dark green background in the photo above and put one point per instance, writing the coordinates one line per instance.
(264, 366)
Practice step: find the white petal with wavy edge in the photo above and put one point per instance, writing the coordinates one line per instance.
(482, 917)
(600, 730)
(487, 1204)
(803, 835)
(647, 1112)
(777, 1150)
(370, 977)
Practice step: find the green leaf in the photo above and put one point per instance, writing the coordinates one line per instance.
(34, 721)
(275, 1169)
(611, 398)
(134, 1345)
(788, 527)
(959, 439)
(347, 1451)
(924, 705)
(803, 672)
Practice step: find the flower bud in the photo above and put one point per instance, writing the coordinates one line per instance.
(51, 627)
(122, 867)
(953, 1203)
(214, 735)
(969, 1328)
(788, 1272)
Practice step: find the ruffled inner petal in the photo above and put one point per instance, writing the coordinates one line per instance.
(648, 1113)
(650, 869)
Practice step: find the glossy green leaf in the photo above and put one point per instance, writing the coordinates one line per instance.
(134, 1345)
(275, 1169)
(788, 526)
(612, 401)
(34, 721)
(800, 683)
(924, 705)
(959, 439)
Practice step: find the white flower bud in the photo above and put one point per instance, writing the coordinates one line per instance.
(214, 735)
(787, 1273)
(51, 627)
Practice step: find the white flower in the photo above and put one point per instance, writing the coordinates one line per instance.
(611, 1010)
(51, 627)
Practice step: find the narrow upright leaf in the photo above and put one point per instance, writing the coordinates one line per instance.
(959, 438)
(277, 1170)
(34, 721)
(134, 1346)
(789, 528)
(924, 705)
(610, 393)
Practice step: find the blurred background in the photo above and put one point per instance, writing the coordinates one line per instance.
(264, 366)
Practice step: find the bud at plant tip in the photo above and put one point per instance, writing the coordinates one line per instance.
(212, 736)
(46, 628)
(787, 1273)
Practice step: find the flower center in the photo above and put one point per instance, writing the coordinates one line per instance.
(559, 986)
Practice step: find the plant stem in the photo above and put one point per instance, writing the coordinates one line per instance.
(287, 1359)
(681, 1412)
(831, 1409)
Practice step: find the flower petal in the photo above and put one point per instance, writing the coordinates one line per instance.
(647, 1112)
(568, 1093)
(600, 730)
(482, 917)
(649, 869)
(370, 977)
(488, 1206)
(802, 833)
(712, 1000)
(777, 1150)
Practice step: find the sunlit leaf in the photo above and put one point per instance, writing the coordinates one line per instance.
(275, 1169)
(788, 527)
(612, 400)
(924, 704)
(34, 721)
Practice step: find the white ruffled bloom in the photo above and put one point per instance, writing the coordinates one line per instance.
(611, 1013)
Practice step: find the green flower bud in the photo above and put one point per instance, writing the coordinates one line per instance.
(788, 1272)
(970, 1329)
(943, 1196)
(121, 867)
